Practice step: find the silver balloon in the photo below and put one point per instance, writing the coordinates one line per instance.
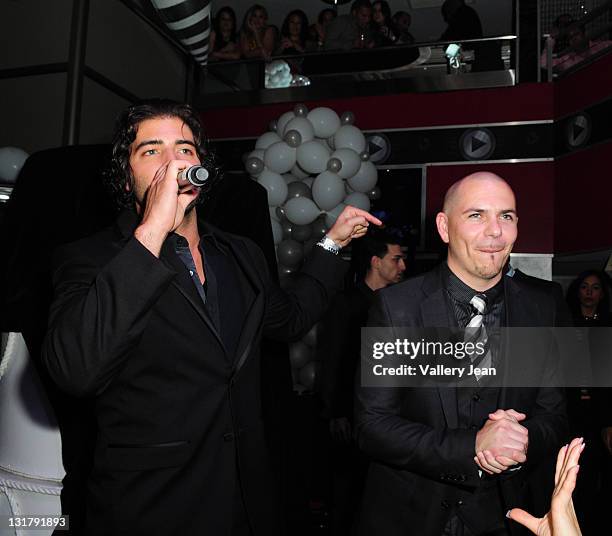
(347, 118)
(285, 270)
(300, 110)
(331, 143)
(273, 125)
(334, 165)
(364, 156)
(375, 193)
(298, 189)
(293, 138)
(290, 253)
(301, 233)
(254, 166)
(318, 227)
(286, 228)
(280, 213)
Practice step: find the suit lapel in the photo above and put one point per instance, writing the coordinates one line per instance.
(126, 224)
(185, 286)
(518, 314)
(252, 289)
(435, 313)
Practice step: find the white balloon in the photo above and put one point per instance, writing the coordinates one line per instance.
(299, 172)
(350, 162)
(350, 137)
(301, 125)
(265, 140)
(11, 162)
(358, 200)
(279, 157)
(273, 214)
(282, 122)
(327, 190)
(332, 215)
(312, 157)
(324, 121)
(289, 178)
(365, 178)
(277, 232)
(275, 185)
(301, 210)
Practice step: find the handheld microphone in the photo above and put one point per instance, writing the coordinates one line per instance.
(195, 175)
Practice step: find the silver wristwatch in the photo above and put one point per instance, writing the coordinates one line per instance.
(329, 245)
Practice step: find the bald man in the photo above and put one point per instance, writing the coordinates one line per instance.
(452, 460)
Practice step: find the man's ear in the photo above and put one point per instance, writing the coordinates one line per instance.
(442, 225)
(374, 262)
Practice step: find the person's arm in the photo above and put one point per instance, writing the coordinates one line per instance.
(99, 314)
(561, 520)
(289, 315)
(229, 52)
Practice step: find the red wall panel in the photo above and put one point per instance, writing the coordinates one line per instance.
(528, 102)
(583, 207)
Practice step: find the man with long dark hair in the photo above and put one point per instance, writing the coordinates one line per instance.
(159, 319)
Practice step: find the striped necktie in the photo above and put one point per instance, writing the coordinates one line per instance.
(477, 332)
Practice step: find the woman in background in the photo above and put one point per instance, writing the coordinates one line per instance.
(223, 37)
(382, 24)
(294, 33)
(256, 37)
(590, 408)
(318, 29)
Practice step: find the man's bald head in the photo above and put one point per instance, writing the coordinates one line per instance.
(456, 190)
(479, 224)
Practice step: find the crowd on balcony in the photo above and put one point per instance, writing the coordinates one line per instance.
(369, 24)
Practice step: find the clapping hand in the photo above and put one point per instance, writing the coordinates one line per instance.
(561, 519)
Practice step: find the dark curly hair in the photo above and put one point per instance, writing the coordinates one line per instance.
(119, 174)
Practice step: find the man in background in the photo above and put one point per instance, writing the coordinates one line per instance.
(379, 262)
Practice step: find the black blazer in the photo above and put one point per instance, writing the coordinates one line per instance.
(179, 421)
(423, 468)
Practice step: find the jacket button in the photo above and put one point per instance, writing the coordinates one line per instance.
(462, 478)
(445, 504)
(476, 398)
(459, 502)
(228, 437)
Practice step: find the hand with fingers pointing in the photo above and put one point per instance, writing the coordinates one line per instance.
(352, 223)
(561, 519)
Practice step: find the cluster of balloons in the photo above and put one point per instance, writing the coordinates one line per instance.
(312, 164)
(278, 75)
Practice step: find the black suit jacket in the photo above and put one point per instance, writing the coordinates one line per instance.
(179, 421)
(423, 468)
